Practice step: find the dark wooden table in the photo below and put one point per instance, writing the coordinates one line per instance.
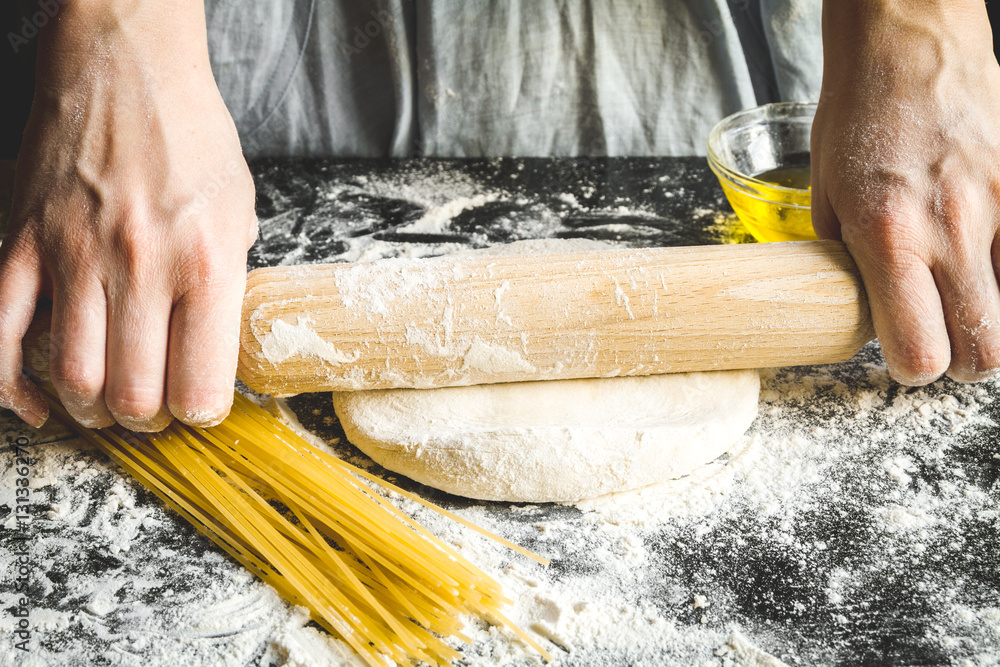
(876, 544)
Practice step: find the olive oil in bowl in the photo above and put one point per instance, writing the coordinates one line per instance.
(761, 157)
(777, 206)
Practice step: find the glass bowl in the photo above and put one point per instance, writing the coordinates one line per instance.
(761, 157)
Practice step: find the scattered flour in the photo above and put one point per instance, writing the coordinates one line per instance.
(435, 221)
(347, 222)
(847, 485)
(855, 514)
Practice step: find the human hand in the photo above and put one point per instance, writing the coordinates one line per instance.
(133, 211)
(906, 170)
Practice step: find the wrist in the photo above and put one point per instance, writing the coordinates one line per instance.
(857, 18)
(872, 41)
(107, 36)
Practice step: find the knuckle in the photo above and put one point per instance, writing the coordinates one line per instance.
(951, 199)
(198, 409)
(134, 243)
(207, 267)
(18, 250)
(75, 378)
(133, 405)
(918, 366)
(979, 360)
(888, 235)
(993, 187)
(892, 231)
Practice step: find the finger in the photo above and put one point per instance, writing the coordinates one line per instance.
(971, 299)
(136, 358)
(204, 345)
(903, 295)
(20, 283)
(824, 218)
(79, 342)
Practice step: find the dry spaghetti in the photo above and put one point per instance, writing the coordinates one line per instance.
(304, 521)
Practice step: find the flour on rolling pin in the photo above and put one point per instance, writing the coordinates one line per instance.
(300, 339)
(375, 289)
(285, 341)
(466, 319)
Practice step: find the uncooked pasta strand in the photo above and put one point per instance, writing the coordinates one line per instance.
(367, 572)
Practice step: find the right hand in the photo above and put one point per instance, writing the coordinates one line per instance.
(133, 211)
(906, 171)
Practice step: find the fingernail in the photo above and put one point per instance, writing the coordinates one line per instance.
(971, 377)
(33, 417)
(30, 406)
(90, 415)
(96, 422)
(153, 424)
(915, 380)
(202, 418)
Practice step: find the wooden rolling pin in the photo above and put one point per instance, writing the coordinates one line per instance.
(451, 321)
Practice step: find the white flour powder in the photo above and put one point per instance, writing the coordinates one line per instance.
(636, 578)
(856, 522)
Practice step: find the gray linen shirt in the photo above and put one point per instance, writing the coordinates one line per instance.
(504, 77)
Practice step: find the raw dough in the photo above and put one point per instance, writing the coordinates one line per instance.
(552, 441)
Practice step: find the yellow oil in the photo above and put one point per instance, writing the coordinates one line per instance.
(773, 214)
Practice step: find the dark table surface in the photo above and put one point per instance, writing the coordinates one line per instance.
(857, 524)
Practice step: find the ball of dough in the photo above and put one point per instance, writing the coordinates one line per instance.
(555, 440)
